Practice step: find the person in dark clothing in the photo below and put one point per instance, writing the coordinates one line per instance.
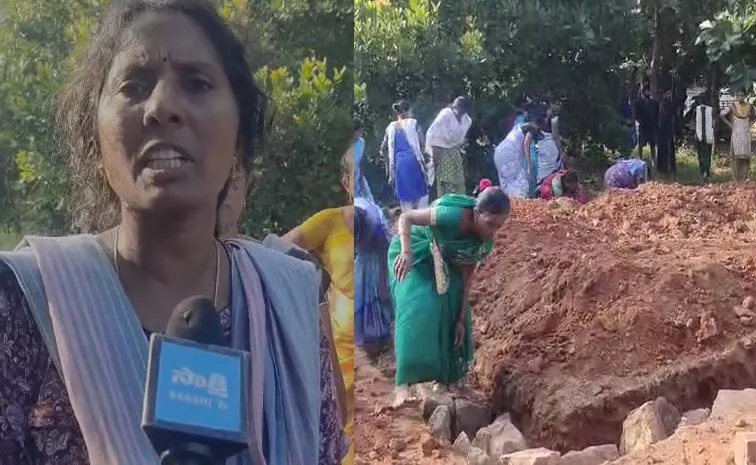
(647, 115)
(704, 117)
(666, 159)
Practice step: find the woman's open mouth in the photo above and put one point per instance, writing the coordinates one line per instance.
(166, 159)
(165, 165)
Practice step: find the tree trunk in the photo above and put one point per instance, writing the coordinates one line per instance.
(714, 94)
(655, 51)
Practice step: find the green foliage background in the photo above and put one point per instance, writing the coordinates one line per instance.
(585, 54)
(302, 54)
(320, 58)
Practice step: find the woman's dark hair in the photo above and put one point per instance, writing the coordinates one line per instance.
(401, 107)
(98, 208)
(357, 124)
(493, 201)
(570, 177)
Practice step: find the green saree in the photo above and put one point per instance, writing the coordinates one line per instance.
(425, 317)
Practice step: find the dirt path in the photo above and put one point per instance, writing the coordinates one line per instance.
(384, 436)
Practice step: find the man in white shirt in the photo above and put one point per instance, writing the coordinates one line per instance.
(704, 137)
(443, 144)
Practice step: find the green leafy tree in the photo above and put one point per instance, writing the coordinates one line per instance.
(730, 41)
(308, 76)
(574, 51)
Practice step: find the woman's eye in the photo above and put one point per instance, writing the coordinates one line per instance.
(198, 85)
(134, 89)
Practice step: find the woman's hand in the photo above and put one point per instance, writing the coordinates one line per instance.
(459, 334)
(402, 265)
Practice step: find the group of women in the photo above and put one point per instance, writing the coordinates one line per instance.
(416, 161)
(528, 155)
(426, 270)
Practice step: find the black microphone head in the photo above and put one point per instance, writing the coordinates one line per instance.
(196, 319)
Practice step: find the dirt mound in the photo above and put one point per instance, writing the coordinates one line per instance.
(582, 313)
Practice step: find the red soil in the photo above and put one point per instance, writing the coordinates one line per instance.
(607, 300)
(583, 313)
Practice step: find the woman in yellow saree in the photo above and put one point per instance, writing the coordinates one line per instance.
(329, 234)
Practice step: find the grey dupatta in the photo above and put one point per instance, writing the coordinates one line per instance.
(100, 350)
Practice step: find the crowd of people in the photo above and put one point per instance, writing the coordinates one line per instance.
(414, 269)
(657, 122)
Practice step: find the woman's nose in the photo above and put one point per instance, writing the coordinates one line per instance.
(163, 107)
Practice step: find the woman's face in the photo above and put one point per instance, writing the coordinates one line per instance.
(486, 224)
(167, 117)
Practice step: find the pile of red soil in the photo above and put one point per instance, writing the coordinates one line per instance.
(581, 313)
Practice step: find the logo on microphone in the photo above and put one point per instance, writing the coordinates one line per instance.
(200, 387)
(215, 383)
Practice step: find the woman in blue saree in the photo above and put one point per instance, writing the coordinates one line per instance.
(157, 114)
(373, 312)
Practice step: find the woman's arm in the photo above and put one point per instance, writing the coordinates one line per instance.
(724, 116)
(312, 234)
(421, 137)
(295, 237)
(422, 217)
(526, 148)
(555, 134)
(468, 272)
(384, 151)
(391, 166)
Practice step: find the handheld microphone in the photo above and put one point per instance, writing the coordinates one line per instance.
(195, 401)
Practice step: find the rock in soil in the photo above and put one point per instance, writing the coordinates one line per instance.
(668, 414)
(462, 445)
(744, 448)
(538, 456)
(431, 403)
(729, 402)
(710, 443)
(478, 456)
(470, 417)
(642, 428)
(694, 417)
(500, 437)
(440, 424)
(594, 455)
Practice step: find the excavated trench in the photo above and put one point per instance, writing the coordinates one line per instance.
(571, 414)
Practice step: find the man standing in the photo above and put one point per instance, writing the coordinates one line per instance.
(647, 115)
(443, 144)
(666, 157)
(704, 137)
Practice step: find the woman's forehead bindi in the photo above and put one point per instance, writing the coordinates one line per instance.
(166, 36)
